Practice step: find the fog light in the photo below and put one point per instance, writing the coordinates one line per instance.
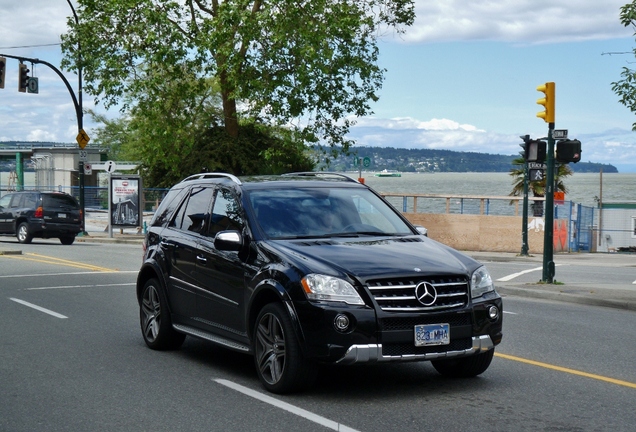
(341, 322)
(493, 312)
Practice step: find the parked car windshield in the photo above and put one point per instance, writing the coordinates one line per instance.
(324, 212)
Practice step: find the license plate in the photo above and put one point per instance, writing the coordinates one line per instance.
(61, 215)
(432, 334)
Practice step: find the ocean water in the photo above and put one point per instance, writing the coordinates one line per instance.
(583, 188)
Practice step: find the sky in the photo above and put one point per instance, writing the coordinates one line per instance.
(463, 77)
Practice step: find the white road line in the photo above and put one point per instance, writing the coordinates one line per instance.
(514, 275)
(36, 307)
(287, 407)
(510, 313)
(69, 274)
(80, 286)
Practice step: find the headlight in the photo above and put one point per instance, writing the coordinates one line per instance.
(328, 288)
(481, 283)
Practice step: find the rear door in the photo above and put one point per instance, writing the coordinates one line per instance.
(180, 240)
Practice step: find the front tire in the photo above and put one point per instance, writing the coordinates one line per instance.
(156, 325)
(279, 361)
(464, 367)
(23, 234)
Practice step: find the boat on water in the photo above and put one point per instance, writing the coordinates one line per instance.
(386, 173)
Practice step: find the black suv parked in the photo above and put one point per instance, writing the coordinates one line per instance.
(310, 268)
(30, 214)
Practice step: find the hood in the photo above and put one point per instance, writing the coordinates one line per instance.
(368, 258)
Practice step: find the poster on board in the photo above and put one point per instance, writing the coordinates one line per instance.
(125, 201)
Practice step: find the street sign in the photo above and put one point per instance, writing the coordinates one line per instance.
(109, 167)
(560, 134)
(366, 162)
(32, 85)
(88, 169)
(83, 155)
(537, 165)
(82, 138)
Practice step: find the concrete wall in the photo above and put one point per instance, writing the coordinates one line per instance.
(482, 233)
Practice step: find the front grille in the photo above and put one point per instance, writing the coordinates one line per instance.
(399, 295)
(401, 349)
(409, 323)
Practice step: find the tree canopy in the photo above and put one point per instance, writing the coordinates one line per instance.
(308, 64)
(626, 87)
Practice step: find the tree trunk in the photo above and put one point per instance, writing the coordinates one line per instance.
(229, 108)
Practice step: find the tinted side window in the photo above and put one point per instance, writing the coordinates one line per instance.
(168, 206)
(194, 216)
(226, 214)
(29, 201)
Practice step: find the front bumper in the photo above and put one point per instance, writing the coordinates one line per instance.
(373, 353)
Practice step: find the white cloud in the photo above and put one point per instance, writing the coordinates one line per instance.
(524, 21)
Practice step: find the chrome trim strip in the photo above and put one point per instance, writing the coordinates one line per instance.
(416, 309)
(212, 338)
(373, 352)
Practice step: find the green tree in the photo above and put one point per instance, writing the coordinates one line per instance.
(626, 87)
(537, 188)
(308, 63)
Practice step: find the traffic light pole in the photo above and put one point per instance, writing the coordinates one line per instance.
(524, 218)
(548, 238)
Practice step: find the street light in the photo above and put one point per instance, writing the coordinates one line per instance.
(80, 122)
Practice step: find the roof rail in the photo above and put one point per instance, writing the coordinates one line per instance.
(320, 174)
(207, 175)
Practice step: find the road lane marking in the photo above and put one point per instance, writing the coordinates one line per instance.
(55, 261)
(67, 274)
(568, 370)
(39, 308)
(286, 406)
(80, 286)
(515, 275)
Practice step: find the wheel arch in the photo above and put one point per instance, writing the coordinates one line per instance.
(270, 291)
(148, 271)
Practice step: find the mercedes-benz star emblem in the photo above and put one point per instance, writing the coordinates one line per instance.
(425, 293)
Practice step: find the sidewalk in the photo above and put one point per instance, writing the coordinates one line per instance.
(619, 296)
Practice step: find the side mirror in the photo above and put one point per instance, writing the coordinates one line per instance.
(228, 241)
(420, 229)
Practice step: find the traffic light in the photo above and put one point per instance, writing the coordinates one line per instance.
(533, 150)
(23, 78)
(568, 151)
(3, 64)
(547, 101)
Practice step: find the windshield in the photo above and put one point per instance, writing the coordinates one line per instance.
(324, 212)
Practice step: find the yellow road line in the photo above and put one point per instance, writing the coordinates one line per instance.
(567, 370)
(58, 261)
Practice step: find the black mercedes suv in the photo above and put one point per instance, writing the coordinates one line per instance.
(310, 268)
(29, 214)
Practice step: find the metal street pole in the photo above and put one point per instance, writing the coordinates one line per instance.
(80, 124)
(548, 238)
(524, 219)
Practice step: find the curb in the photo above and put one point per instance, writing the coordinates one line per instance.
(625, 303)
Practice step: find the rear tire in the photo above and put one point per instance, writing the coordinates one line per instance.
(464, 367)
(67, 240)
(156, 325)
(23, 234)
(279, 361)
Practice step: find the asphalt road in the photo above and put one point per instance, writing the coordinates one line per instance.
(72, 358)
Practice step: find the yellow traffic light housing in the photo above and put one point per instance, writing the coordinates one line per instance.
(548, 102)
